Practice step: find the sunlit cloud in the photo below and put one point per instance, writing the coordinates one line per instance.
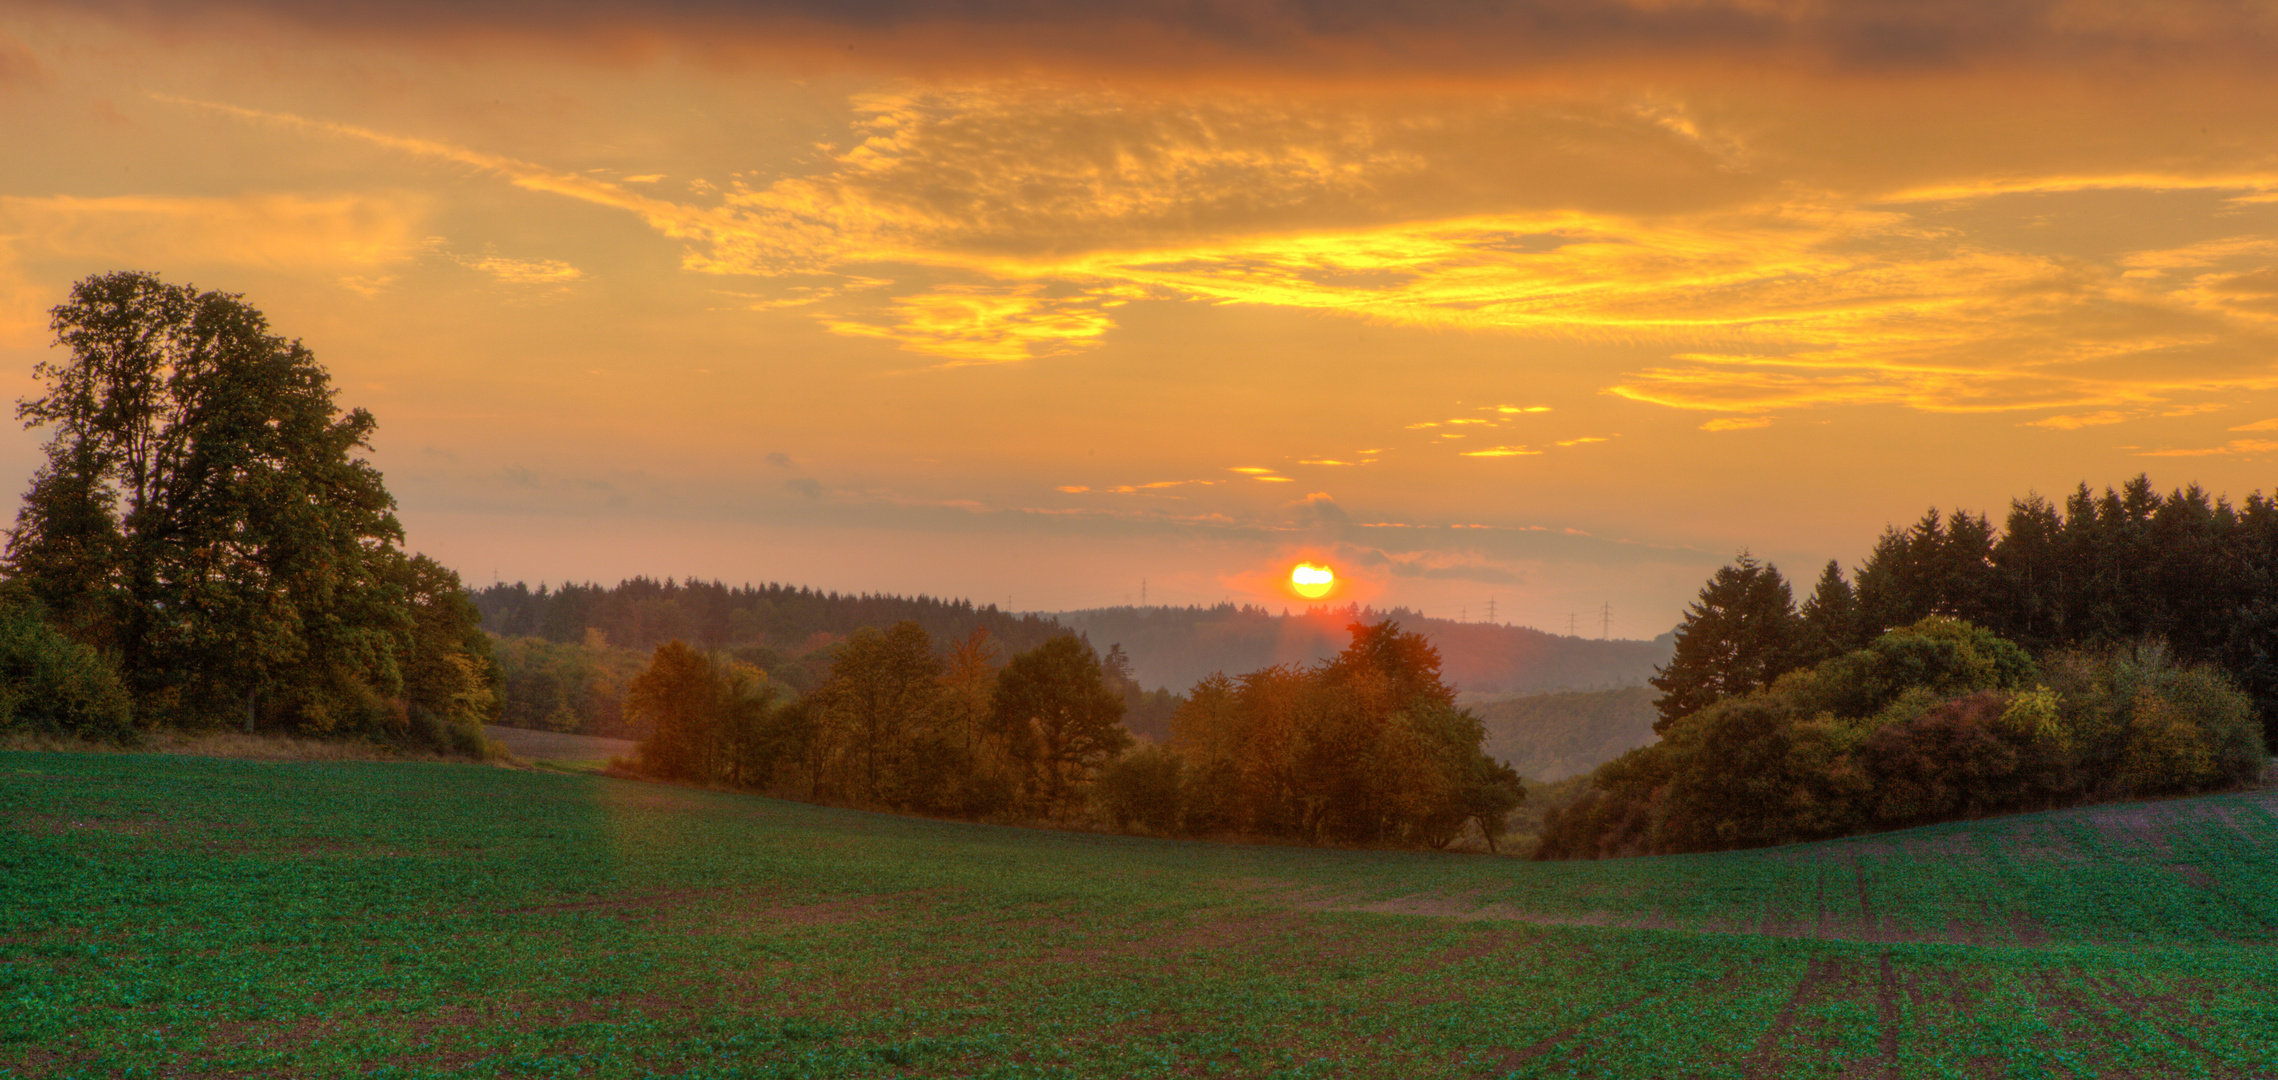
(525, 271)
(986, 325)
(1737, 423)
(1050, 210)
(2070, 423)
(281, 230)
(2233, 448)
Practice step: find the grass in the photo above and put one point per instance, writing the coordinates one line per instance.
(164, 915)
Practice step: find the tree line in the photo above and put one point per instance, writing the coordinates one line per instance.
(642, 613)
(1367, 747)
(2120, 645)
(204, 544)
(2094, 571)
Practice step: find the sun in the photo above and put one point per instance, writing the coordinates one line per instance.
(1312, 582)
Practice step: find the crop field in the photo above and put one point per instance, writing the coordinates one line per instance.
(173, 916)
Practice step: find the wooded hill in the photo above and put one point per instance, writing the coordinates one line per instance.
(1179, 646)
(1554, 736)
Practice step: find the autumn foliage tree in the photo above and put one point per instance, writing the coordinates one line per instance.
(1366, 748)
(1059, 719)
(710, 719)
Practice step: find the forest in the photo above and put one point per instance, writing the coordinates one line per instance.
(2119, 645)
(1566, 733)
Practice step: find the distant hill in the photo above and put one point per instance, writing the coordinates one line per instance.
(1554, 736)
(643, 613)
(1177, 647)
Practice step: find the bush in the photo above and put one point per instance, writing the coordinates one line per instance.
(52, 685)
(1141, 788)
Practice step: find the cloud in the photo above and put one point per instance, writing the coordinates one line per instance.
(986, 325)
(346, 238)
(1319, 510)
(18, 66)
(524, 271)
(2233, 448)
(778, 458)
(2070, 423)
(1737, 423)
(804, 485)
(1037, 212)
(1313, 41)
(333, 233)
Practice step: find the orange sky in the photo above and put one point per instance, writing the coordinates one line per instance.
(1559, 302)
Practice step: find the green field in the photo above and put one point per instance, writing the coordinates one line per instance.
(167, 916)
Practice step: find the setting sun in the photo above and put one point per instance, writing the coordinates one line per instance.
(1312, 582)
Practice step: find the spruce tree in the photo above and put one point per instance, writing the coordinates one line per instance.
(1739, 636)
(1829, 622)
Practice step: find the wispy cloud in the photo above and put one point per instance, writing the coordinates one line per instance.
(2070, 423)
(525, 271)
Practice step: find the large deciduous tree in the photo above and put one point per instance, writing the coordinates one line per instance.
(1059, 718)
(204, 518)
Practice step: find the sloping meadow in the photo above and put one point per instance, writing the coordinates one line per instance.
(184, 916)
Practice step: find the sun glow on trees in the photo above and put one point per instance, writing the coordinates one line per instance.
(1312, 582)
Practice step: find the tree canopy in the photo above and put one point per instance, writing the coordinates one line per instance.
(204, 519)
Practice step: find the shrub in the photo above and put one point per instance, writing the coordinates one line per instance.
(1142, 788)
(52, 685)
